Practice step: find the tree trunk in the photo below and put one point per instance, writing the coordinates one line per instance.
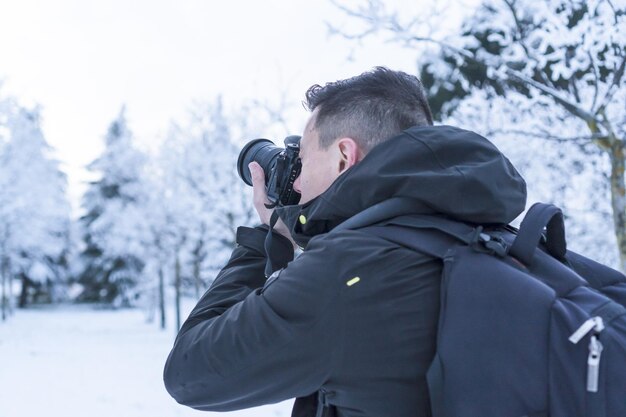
(618, 197)
(196, 276)
(3, 296)
(152, 304)
(10, 295)
(162, 297)
(177, 284)
(197, 262)
(23, 293)
(3, 306)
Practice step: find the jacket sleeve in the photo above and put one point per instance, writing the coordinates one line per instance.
(249, 342)
(244, 272)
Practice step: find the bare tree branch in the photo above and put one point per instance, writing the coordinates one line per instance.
(550, 92)
(277, 114)
(510, 4)
(614, 9)
(596, 85)
(614, 86)
(373, 17)
(546, 135)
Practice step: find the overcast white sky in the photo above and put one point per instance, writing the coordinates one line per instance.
(82, 59)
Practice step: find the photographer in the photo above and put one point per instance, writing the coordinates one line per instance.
(350, 326)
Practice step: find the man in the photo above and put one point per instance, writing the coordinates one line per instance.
(349, 327)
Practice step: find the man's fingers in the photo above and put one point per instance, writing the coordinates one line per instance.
(259, 196)
(256, 172)
(258, 184)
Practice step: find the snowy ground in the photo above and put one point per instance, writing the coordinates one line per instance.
(75, 361)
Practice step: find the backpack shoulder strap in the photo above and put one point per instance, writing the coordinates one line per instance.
(393, 220)
(540, 216)
(431, 242)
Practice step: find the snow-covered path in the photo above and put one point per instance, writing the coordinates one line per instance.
(76, 361)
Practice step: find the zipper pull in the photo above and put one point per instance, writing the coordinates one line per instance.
(594, 323)
(593, 364)
(322, 403)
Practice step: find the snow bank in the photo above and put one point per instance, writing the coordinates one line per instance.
(77, 361)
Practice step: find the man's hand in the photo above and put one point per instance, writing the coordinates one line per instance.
(260, 199)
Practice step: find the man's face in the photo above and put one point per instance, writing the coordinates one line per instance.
(319, 166)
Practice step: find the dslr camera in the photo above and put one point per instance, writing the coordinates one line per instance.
(281, 166)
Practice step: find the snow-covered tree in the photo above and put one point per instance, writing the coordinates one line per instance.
(169, 219)
(34, 210)
(114, 227)
(551, 70)
(201, 202)
(6, 112)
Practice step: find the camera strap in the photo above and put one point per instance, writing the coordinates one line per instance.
(269, 265)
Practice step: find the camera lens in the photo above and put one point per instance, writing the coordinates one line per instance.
(262, 151)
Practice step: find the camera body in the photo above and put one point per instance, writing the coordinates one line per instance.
(281, 166)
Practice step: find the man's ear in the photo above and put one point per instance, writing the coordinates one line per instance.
(349, 153)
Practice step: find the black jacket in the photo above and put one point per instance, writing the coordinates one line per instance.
(353, 319)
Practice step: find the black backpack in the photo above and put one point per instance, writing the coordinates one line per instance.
(522, 332)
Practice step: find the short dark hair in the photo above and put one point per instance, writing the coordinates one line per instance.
(370, 108)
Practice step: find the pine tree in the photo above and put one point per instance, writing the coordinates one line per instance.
(34, 210)
(114, 227)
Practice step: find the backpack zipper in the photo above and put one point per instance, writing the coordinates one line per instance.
(322, 403)
(593, 364)
(596, 325)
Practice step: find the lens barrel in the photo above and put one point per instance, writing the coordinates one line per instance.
(262, 151)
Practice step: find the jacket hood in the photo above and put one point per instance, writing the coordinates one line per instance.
(445, 170)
